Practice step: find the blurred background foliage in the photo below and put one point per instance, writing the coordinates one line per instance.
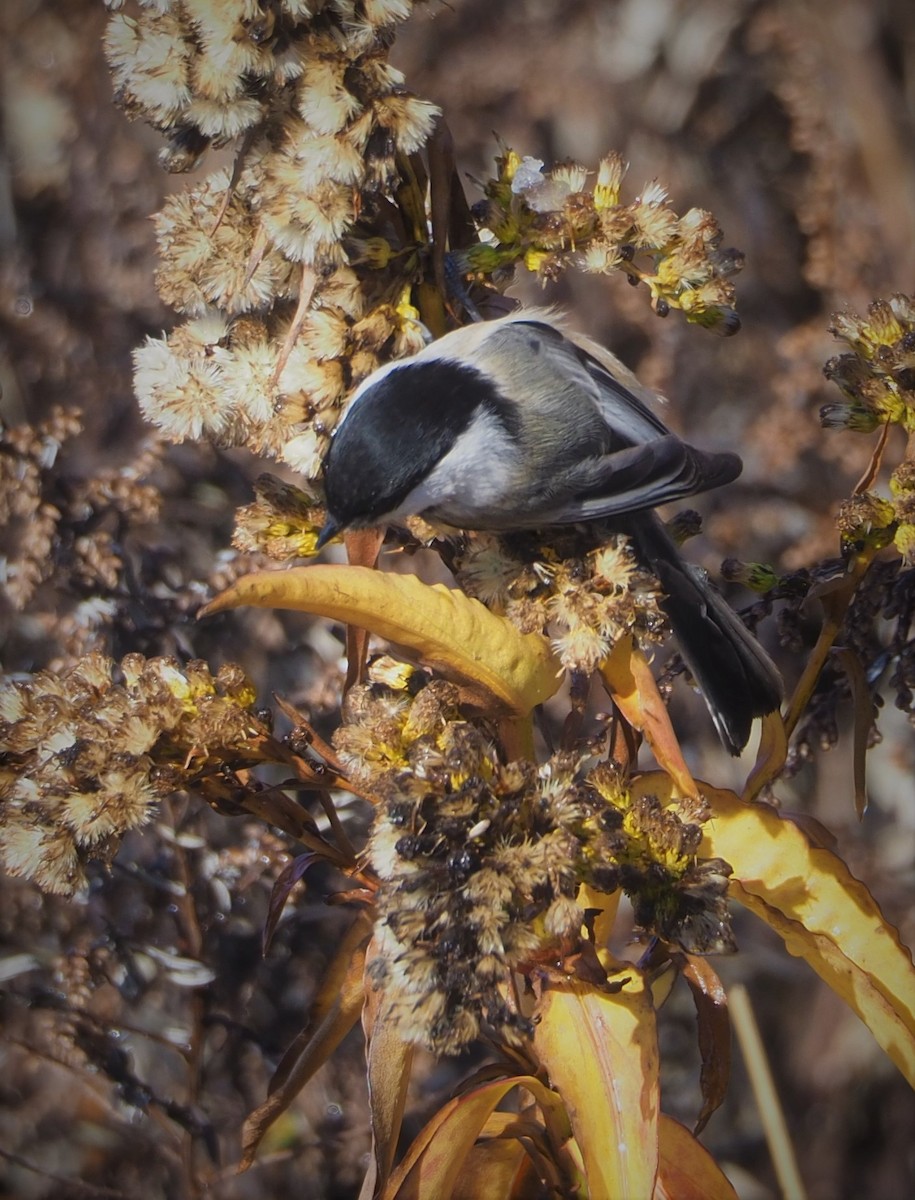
(141, 1022)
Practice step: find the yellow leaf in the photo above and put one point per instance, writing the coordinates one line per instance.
(605, 906)
(687, 1170)
(600, 1050)
(491, 1170)
(441, 625)
(630, 682)
(436, 1159)
(773, 750)
(809, 897)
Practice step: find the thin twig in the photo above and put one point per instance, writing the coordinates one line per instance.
(873, 466)
(237, 168)
(306, 291)
(189, 926)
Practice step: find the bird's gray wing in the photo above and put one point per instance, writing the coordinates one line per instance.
(635, 479)
(628, 417)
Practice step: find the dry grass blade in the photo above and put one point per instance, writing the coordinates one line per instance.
(770, 1109)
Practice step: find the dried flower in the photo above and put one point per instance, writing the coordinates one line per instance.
(588, 596)
(550, 219)
(86, 757)
(878, 376)
(283, 522)
(481, 862)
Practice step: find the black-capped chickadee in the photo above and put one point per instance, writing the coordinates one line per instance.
(520, 424)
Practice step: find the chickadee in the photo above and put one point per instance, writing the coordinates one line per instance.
(519, 424)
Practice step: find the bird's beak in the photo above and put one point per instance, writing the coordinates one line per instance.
(330, 530)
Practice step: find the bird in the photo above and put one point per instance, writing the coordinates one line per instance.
(521, 423)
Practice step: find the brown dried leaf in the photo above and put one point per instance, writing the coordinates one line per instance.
(835, 596)
(335, 1011)
(285, 882)
(773, 750)
(628, 677)
(492, 1170)
(389, 1061)
(864, 723)
(437, 1157)
(711, 1004)
(687, 1171)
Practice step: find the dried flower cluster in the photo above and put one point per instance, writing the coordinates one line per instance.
(28, 517)
(283, 522)
(557, 218)
(298, 271)
(70, 533)
(205, 71)
(279, 327)
(878, 632)
(589, 598)
(481, 862)
(877, 378)
(88, 752)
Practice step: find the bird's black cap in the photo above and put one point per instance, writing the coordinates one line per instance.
(392, 438)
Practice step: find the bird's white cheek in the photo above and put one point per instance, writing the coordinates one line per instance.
(473, 477)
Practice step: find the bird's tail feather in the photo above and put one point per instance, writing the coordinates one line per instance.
(735, 675)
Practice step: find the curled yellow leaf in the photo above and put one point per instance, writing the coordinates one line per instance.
(823, 913)
(629, 680)
(436, 1159)
(442, 626)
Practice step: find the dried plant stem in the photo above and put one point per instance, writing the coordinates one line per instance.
(189, 925)
(306, 291)
(835, 605)
(767, 1101)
